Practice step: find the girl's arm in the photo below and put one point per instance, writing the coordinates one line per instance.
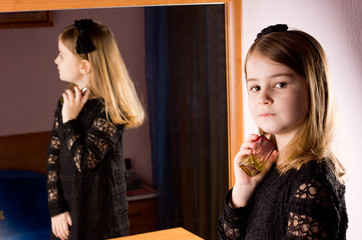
(245, 185)
(88, 149)
(317, 211)
(56, 201)
(232, 222)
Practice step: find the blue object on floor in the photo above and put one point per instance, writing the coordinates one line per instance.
(24, 213)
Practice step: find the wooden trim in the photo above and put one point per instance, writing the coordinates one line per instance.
(33, 5)
(234, 50)
(234, 83)
(25, 151)
(26, 19)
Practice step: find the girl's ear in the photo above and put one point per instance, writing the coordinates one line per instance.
(85, 67)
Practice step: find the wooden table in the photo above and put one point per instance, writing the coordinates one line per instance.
(169, 234)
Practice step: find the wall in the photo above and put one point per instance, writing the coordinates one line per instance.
(336, 24)
(30, 85)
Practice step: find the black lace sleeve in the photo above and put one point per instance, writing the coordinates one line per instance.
(56, 202)
(88, 149)
(232, 221)
(316, 211)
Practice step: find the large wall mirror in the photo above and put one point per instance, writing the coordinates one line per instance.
(233, 54)
(233, 20)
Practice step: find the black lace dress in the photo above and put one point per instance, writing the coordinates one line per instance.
(304, 204)
(86, 174)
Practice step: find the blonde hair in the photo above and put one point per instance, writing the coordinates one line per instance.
(108, 78)
(303, 54)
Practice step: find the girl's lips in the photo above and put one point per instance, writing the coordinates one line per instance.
(267, 115)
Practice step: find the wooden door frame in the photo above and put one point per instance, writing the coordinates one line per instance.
(233, 23)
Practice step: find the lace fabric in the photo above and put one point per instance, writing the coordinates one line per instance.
(314, 211)
(82, 156)
(106, 126)
(314, 190)
(53, 158)
(55, 143)
(307, 227)
(97, 143)
(229, 228)
(85, 152)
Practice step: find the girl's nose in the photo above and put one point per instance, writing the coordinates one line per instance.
(56, 60)
(264, 97)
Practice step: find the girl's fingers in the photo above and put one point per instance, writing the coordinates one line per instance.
(242, 153)
(249, 142)
(60, 226)
(85, 96)
(81, 96)
(247, 145)
(59, 232)
(69, 93)
(78, 94)
(246, 148)
(54, 229)
(69, 220)
(252, 137)
(273, 157)
(65, 96)
(269, 162)
(68, 96)
(64, 232)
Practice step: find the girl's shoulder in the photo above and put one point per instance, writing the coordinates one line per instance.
(95, 104)
(316, 176)
(94, 109)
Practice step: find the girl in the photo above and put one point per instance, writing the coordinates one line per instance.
(300, 194)
(86, 172)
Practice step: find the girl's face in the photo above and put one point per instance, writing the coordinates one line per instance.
(68, 65)
(277, 95)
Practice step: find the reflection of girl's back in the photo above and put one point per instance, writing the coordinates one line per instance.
(86, 171)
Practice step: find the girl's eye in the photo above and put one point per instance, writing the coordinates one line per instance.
(254, 88)
(280, 85)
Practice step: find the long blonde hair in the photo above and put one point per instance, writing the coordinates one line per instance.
(303, 54)
(108, 78)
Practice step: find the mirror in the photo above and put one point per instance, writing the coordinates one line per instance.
(132, 61)
(233, 25)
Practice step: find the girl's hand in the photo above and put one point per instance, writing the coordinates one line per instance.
(60, 225)
(245, 185)
(73, 103)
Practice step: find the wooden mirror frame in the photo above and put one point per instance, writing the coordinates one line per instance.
(233, 21)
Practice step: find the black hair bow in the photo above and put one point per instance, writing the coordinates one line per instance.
(84, 44)
(271, 29)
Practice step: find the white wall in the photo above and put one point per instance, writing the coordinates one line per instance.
(337, 25)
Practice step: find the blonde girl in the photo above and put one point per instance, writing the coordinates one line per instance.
(300, 193)
(86, 171)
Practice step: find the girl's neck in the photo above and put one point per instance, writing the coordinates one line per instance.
(81, 85)
(83, 81)
(282, 141)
